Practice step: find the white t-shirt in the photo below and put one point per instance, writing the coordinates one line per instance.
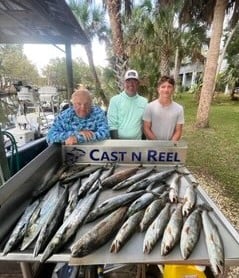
(163, 118)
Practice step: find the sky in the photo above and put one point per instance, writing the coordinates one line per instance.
(40, 54)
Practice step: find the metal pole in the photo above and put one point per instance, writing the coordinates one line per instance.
(5, 172)
(69, 70)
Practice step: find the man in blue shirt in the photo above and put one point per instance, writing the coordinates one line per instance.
(82, 122)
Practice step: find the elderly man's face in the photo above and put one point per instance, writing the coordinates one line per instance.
(131, 86)
(82, 105)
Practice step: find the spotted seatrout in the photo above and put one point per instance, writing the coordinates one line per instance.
(190, 233)
(214, 244)
(126, 231)
(172, 231)
(156, 229)
(190, 198)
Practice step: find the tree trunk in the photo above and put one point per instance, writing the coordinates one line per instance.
(164, 62)
(209, 76)
(113, 7)
(98, 88)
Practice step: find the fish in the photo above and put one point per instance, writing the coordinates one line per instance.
(190, 233)
(72, 198)
(133, 179)
(50, 226)
(70, 226)
(45, 208)
(156, 229)
(129, 227)
(172, 231)
(190, 198)
(214, 244)
(100, 234)
(20, 228)
(106, 173)
(143, 201)
(119, 176)
(111, 204)
(88, 182)
(72, 170)
(151, 212)
(157, 177)
(52, 181)
(174, 188)
(83, 173)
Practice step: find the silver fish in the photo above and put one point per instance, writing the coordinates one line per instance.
(151, 212)
(119, 176)
(156, 229)
(190, 198)
(172, 231)
(70, 226)
(157, 177)
(126, 231)
(214, 244)
(133, 179)
(111, 204)
(21, 227)
(99, 234)
(190, 233)
(49, 227)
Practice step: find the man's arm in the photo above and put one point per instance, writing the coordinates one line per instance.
(148, 132)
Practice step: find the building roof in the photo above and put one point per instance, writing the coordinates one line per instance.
(39, 21)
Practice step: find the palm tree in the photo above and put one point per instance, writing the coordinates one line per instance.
(92, 20)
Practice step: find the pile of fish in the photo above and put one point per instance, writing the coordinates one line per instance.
(145, 200)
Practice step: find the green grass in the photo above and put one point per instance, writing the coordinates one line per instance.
(214, 151)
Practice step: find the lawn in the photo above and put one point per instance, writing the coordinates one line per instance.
(214, 151)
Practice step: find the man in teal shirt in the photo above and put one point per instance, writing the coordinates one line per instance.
(126, 110)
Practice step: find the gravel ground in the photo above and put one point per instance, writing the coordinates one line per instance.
(228, 207)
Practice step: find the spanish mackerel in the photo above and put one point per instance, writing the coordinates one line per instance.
(99, 234)
(157, 177)
(172, 231)
(112, 203)
(145, 199)
(50, 226)
(88, 182)
(37, 220)
(156, 229)
(70, 226)
(21, 227)
(214, 244)
(119, 176)
(83, 173)
(72, 198)
(133, 179)
(174, 187)
(106, 173)
(190, 233)
(129, 227)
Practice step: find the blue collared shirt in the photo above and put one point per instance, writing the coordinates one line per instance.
(67, 124)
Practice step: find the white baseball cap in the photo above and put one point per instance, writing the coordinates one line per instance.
(131, 74)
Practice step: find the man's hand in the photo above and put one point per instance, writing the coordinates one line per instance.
(71, 140)
(87, 134)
